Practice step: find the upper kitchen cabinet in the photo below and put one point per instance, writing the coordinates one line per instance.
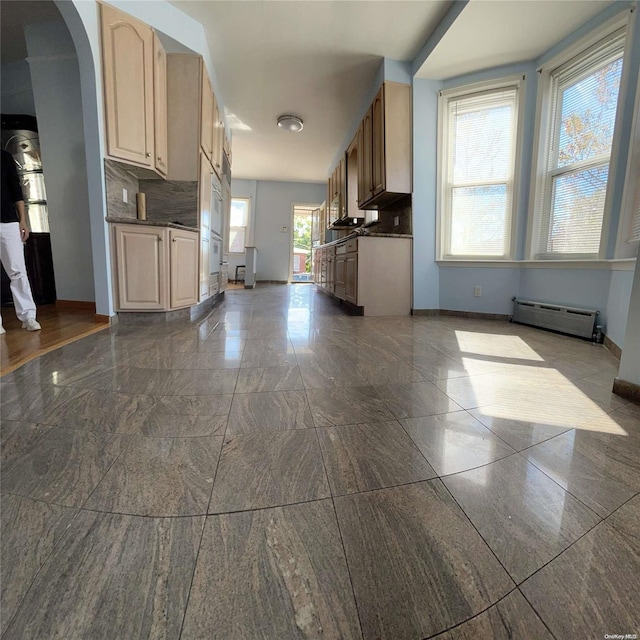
(128, 56)
(218, 138)
(384, 160)
(160, 106)
(207, 117)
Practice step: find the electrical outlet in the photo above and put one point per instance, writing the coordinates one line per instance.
(396, 221)
(125, 196)
(477, 292)
(283, 229)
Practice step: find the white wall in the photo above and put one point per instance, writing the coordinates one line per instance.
(272, 211)
(15, 88)
(56, 90)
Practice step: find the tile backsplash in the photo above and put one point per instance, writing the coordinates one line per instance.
(167, 200)
(118, 178)
(171, 201)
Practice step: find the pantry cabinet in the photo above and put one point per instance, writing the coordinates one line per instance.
(206, 114)
(128, 64)
(156, 267)
(160, 107)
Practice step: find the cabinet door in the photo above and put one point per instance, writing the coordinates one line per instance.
(204, 266)
(378, 151)
(340, 276)
(142, 267)
(367, 157)
(160, 105)
(127, 56)
(184, 268)
(206, 114)
(351, 278)
(218, 138)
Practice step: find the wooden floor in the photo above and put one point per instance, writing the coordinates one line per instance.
(59, 327)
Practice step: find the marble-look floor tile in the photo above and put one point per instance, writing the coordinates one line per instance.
(523, 515)
(213, 360)
(270, 411)
(113, 577)
(389, 373)
(454, 442)
(417, 565)
(259, 380)
(603, 471)
(26, 402)
(63, 466)
(159, 477)
(625, 520)
(193, 382)
(415, 399)
(519, 434)
(588, 591)
(371, 456)
(511, 619)
(275, 573)
(267, 470)
(320, 374)
(268, 353)
(17, 438)
(30, 531)
(157, 425)
(354, 405)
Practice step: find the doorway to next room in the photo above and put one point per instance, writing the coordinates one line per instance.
(301, 243)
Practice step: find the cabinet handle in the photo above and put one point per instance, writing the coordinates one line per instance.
(159, 159)
(174, 240)
(148, 154)
(159, 238)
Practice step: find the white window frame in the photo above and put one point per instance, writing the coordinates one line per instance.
(511, 82)
(542, 141)
(245, 227)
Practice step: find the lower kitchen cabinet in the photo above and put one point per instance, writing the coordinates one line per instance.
(156, 267)
(372, 273)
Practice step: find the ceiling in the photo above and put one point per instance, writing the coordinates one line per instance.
(314, 59)
(15, 15)
(489, 34)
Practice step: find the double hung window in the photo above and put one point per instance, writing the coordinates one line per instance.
(583, 103)
(478, 157)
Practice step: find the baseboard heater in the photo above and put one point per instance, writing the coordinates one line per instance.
(569, 320)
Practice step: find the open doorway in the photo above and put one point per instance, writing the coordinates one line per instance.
(301, 243)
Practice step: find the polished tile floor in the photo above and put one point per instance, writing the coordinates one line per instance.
(284, 470)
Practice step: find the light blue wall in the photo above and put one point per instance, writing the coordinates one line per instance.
(272, 206)
(425, 131)
(618, 305)
(56, 90)
(498, 284)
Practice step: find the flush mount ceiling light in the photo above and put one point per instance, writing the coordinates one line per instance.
(290, 123)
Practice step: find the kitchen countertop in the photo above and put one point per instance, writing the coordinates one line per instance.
(150, 223)
(366, 234)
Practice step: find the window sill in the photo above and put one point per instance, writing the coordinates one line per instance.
(625, 264)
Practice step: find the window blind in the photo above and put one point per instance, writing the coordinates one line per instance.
(480, 158)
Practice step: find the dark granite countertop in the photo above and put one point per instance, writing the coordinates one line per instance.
(150, 223)
(366, 234)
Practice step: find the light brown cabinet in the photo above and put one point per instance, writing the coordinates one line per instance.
(384, 148)
(128, 65)
(204, 223)
(218, 139)
(206, 114)
(156, 267)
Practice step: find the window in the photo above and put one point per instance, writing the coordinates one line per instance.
(583, 103)
(478, 151)
(238, 222)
